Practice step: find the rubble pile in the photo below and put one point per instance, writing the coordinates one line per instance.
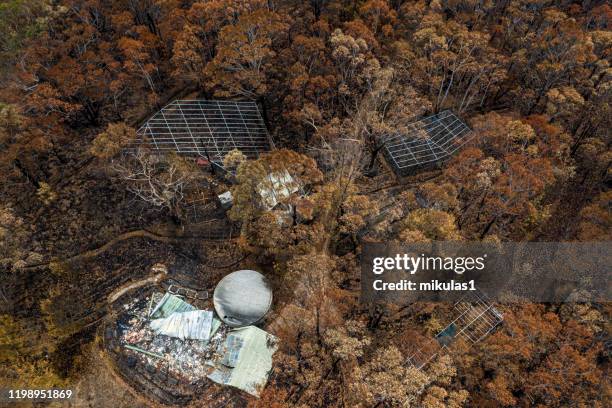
(171, 345)
(186, 359)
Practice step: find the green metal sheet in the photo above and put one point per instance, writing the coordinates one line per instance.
(170, 304)
(249, 350)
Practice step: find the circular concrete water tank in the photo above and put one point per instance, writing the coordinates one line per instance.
(242, 298)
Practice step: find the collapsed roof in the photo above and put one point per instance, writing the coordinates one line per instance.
(193, 344)
(195, 325)
(427, 141)
(185, 359)
(245, 359)
(169, 304)
(206, 128)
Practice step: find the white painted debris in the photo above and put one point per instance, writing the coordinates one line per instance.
(226, 199)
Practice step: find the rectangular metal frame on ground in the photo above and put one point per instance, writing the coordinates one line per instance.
(428, 141)
(206, 128)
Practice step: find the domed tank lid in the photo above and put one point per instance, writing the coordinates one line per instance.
(242, 298)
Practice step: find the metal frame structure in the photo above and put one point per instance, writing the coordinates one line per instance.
(428, 141)
(475, 318)
(206, 128)
(426, 354)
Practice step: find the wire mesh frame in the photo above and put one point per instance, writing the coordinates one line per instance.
(476, 319)
(425, 355)
(429, 140)
(206, 128)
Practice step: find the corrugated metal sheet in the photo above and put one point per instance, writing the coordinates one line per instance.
(246, 360)
(170, 304)
(231, 350)
(195, 325)
(276, 187)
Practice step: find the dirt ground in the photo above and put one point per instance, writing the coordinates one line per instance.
(100, 387)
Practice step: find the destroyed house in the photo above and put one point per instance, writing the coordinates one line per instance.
(172, 346)
(425, 143)
(207, 129)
